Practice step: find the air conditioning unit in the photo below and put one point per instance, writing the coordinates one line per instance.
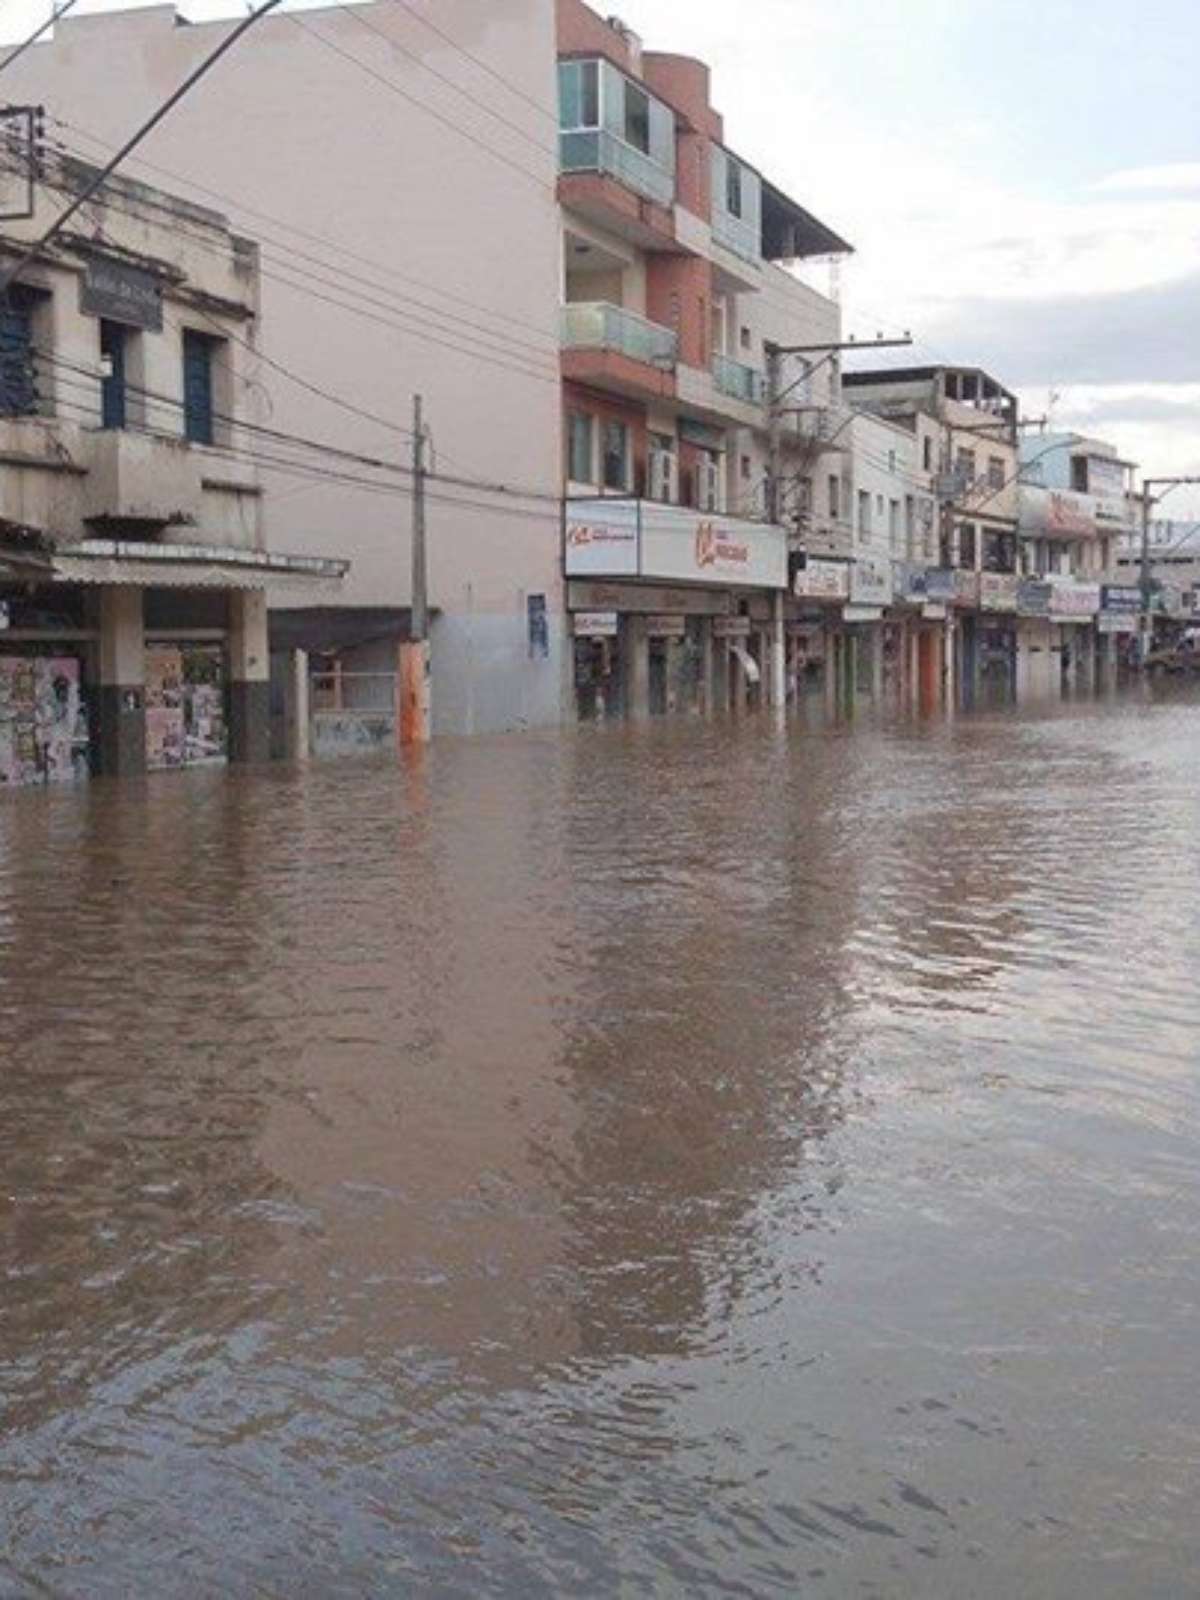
(664, 476)
(708, 479)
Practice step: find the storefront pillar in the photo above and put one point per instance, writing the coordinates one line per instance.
(778, 674)
(119, 740)
(249, 677)
(708, 683)
(635, 667)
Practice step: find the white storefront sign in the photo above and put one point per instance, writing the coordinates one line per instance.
(595, 624)
(731, 627)
(871, 581)
(1071, 601)
(642, 539)
(822, 580)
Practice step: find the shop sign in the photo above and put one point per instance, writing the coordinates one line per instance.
(602, 543)
(822, 580)
(932, 612)
(122, 293)
(862, 613)
(910, 581)
(1116, 622)
(871, 581)
(1125, 597)
(966, 588)
(640, 538)
(997, 591)
(595, 624)
(731, 627)
(939, 584)
(1106, 480)
(646, 597)
(666, 627)
(1033, 597)
(1074, 600)
(1057, 512)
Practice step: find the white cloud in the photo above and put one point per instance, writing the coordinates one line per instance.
(1150, 180)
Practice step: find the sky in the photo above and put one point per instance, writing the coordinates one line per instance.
(1020, 180)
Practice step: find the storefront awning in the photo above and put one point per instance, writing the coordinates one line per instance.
(194, 566)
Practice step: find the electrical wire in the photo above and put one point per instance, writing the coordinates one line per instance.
(483, 66)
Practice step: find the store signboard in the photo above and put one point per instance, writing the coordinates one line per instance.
(998, 591)
(871, 581)
(731, 627)
(1116, 622)
(595, 624)
(1073, 600)
(659, 627)
(121, 293)
(940, 584)
(1057, 513)
(592, 595)
(966, 588)
(822, 580)
(642, 539)
(1126, 597)
(1033, 598)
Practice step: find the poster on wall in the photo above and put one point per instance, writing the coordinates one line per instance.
(185, 706)
(164, 707)
(43, 720)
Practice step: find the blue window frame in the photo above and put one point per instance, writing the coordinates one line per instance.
(197, 386)
(112, 385)
(18, 391)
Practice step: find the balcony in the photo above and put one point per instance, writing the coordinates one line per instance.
(136, 479)
(597, 150)
(738, 381)
(612, 348)
(737, 236)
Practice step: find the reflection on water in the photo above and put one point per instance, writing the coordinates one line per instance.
(682, 1160)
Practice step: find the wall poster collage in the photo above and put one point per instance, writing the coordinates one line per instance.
(43, 720)
(185, 705)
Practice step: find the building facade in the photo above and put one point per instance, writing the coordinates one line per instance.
(400, 174)
(678, 279)
(134, 562)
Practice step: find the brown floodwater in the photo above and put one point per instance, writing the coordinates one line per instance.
(683, 1161)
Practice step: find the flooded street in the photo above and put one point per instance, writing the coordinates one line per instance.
(678, 1161)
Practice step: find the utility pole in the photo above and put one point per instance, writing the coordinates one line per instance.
(413, 685)
(776, 411)
(774, 507)
(1148, 499)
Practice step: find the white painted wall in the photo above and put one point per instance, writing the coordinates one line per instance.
(410, 199)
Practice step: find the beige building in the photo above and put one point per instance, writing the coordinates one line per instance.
(399, 171)
(134, 560)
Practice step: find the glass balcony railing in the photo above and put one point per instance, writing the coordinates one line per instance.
(738, 381)
(742, 238)
(595, 325)
(596, 150)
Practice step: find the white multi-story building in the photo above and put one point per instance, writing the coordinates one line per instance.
(400, 172)
(134, 549)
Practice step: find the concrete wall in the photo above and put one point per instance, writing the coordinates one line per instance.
(387, 202)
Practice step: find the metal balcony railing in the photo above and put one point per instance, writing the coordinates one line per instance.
(596, 325)
(738, 381)
(597, 150)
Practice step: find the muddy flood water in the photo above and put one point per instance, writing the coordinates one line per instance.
(674, 1162)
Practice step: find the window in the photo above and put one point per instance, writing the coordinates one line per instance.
(966, 546)
(637, 118)
(804, 495)
(580, 457)
(1079, 474)
(995, 476)
(745, 467)
(894, 525)
(835, 497)
(864, 512)
(579, 94)
(18, 390)
(964, 464)
(879, 504)
(733, 187)
(927, 453)
(537, 622)
(616, 456)
(910, 521)
(708, 495)
(891, 461)
(113, 337)
(745, 339)
(198, 386)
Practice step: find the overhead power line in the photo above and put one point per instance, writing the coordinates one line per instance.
(484, 66)
(55, 13)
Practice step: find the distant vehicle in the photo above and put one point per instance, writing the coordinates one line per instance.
(1175, 659)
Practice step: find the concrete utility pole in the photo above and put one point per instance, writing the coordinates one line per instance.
(776, 411)
(413, 676)
(1148, 499)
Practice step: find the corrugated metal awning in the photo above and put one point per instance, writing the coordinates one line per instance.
(194, 566)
